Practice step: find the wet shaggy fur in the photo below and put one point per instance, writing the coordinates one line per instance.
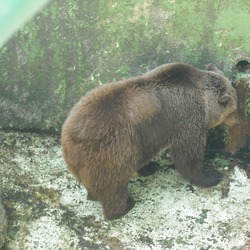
(116, 129)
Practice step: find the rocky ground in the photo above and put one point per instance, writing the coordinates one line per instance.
(47, 208)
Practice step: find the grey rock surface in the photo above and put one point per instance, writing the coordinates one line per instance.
(3, 224)
(47, 209)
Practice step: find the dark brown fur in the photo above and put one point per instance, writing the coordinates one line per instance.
(116, 129)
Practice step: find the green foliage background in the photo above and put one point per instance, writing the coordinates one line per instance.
(74, 45)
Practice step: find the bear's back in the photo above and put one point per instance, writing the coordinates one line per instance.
(180, 74)
(112, 109)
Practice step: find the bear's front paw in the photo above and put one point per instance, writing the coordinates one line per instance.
(210, 178)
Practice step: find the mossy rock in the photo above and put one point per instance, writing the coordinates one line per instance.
(3, 224)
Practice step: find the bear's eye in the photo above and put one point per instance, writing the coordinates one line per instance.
(224, 99)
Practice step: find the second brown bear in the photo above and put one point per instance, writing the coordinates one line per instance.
(116, 129)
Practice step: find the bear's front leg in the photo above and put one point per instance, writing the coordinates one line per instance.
(194, 172)
(203, 178)
(188, 156)
(116, 202)
(210, 178)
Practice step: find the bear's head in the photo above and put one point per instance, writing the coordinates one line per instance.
(220, 99)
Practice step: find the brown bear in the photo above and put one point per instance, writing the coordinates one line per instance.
(116, 129)
(237, 138)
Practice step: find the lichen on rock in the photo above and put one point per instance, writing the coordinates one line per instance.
(3, 224)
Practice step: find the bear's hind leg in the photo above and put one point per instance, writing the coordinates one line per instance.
(91, 196)
(116, 203)
(148, 169)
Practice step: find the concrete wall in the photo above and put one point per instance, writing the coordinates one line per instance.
(74, 45)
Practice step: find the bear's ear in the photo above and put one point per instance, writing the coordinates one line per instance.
(224, 99)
